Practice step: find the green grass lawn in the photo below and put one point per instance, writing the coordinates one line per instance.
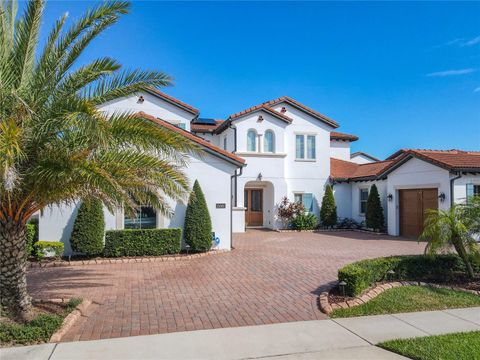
(460, 346)
(409, 299)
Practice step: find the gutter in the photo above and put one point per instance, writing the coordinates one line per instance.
(452, 181)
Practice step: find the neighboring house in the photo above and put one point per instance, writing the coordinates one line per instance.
(281, 148)
(360, 157)
(409, 182)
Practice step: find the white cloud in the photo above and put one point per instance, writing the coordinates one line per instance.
(472, 42)
(451, 72)
(461, 42)
(477, 89)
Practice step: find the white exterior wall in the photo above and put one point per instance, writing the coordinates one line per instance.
(343, 199)
(360, 159)
(152, 105)
(340, 150)
(460, 187)
(382, 191)
(415, 174)
(213, 174)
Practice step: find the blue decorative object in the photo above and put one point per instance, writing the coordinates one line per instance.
(215, 240)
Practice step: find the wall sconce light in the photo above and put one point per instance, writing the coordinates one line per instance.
(141, 99)
(260, 118)
(441, 197)
(259, 177)
(390, 197)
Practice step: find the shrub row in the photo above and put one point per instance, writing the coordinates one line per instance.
(360, 275)
(51, 249)
(146, 242)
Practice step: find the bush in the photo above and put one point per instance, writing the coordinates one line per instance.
(142, 242)
(360, 275)
(30, 232)
(48, 249)
(374, 214)
(287, 211)
(328, 210)
(89, 229)
(347, 223)
(198, 226)
(304, 221)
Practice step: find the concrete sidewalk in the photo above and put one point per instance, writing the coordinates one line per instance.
(350, 338)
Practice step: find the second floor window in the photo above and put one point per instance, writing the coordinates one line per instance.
(305, 147)
(269, 142)
(252, 140)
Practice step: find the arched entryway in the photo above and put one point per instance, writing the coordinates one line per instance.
(258, 199)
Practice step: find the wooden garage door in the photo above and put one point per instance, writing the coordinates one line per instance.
(413, 204)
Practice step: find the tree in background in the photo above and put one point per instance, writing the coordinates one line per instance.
(328, 210)
(374, 213)
(89, 229)
(57, 148)
(198, 225)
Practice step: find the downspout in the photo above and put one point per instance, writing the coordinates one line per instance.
(234, 203)
(452, 181)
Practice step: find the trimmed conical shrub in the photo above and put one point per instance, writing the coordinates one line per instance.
(198, 225)
(374, 214)
(88, 229)
(328, 210)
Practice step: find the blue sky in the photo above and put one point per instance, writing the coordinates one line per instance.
(398, 75)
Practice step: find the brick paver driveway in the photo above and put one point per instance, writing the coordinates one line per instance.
(270, 277)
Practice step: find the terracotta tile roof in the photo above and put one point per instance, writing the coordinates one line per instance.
(194, 138)
(347, 170)
(205, 128)
(452, 160)
(171, 99)
(262, 107)
(334, 135)
(308, 110)
(364, 154)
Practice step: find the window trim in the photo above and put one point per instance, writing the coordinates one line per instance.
(360, 201)
(255, 142)
(306, 135)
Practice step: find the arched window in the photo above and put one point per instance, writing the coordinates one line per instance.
(252, 140)
(269, 142)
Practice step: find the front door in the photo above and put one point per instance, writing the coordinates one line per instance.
(413, 206)
(253, 199)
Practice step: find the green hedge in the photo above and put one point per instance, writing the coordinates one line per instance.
(304, 221)
(147, 242)
(42, 247)
(88, 229)
(362, 274)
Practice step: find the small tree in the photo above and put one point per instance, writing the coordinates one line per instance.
(287, 211)
(374, 214)
(198, 225)
(88, 229)
(328, 210)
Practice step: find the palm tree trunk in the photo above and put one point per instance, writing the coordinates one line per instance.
(460, 249)
(13, 270)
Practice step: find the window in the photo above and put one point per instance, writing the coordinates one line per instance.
(269, 142)
(181, 126)
(225, 143)
(256, 204)
(252, 140)
(145, 218)
(363, 200)
(303, 147)
(306, 199)
(472, 190)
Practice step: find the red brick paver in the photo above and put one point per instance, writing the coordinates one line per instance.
(269, 278)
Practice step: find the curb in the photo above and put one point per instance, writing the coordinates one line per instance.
(70, 320)
(372, 293)
(329, 230)
(123, 260)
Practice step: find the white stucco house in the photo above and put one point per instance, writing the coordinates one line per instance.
(280, 148)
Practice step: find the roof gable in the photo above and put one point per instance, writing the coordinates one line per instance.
(361, 153)
(172, 100)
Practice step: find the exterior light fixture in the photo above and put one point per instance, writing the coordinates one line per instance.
(141, 99)
(441, 197)
(390, 197)
(342, 285)
(259, 177)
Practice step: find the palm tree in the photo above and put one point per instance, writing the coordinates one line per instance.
(458, 227)
(57, 148)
